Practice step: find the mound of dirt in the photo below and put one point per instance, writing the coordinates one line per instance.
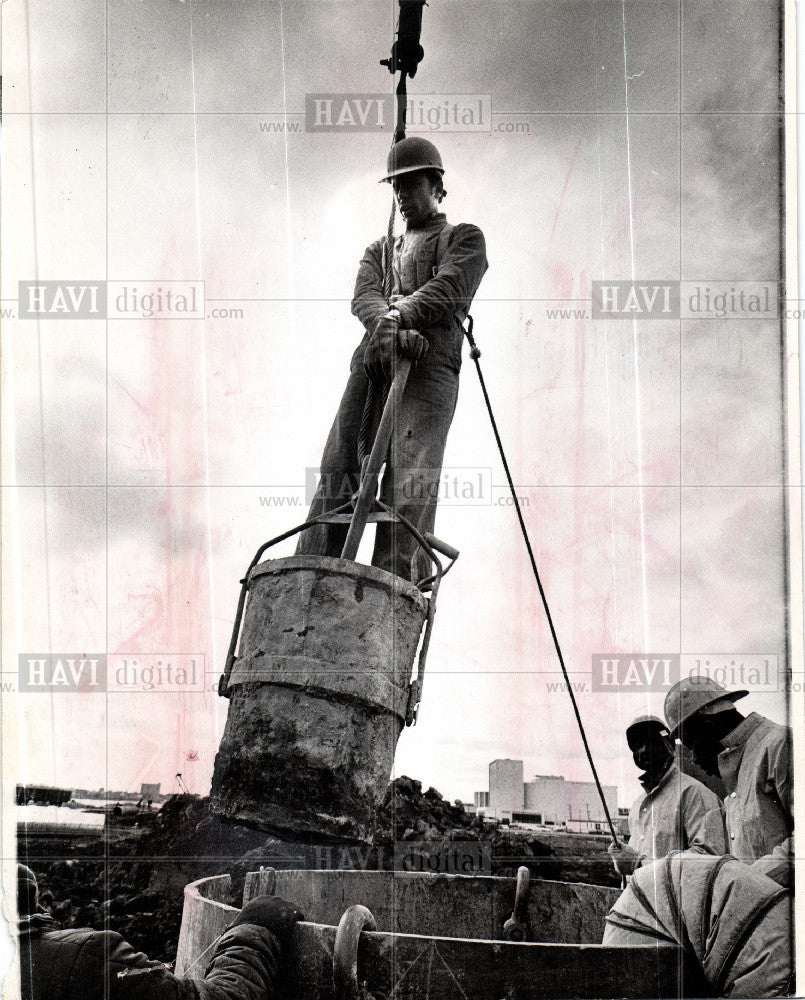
(408, 813)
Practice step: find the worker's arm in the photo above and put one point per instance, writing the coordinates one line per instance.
(780, 778)
(106, 965)
(779, 865)
(243, 967)
(451, 291)
(246, 960)
(703, 821)
(368, 302)
(779, 785)
(626, 857)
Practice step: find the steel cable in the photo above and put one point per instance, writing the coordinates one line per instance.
(475, 354)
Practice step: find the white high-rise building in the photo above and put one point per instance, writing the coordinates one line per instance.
(505, 788)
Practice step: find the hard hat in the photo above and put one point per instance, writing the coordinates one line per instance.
(645, 720)
(27, 891)
(408, 155)
(697, 695)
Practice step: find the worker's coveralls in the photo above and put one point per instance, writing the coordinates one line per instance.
(84, 964)
(733, 922)
(434, 304)
(679, 814)
(757, 770)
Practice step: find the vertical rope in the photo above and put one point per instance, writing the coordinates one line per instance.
(374, 392)
(389, 253)
(475, 354)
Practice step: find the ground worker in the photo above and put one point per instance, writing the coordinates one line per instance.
(676, 813)
(85, 964)
(436, 271)
(753, 757)
(733, 923)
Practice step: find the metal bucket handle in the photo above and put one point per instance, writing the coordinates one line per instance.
(429, 543)
(345, 951)
(516, 927)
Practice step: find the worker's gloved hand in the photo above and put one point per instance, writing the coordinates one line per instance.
(412, 344)
(387, 326)
(275, 914)
(379, 353)
(377, 359)
(624, 857)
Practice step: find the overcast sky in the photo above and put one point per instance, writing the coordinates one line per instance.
(649, 456)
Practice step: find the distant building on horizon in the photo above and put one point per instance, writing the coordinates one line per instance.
(42, 795)
(546, 800)
(147, 791)
(506, 789)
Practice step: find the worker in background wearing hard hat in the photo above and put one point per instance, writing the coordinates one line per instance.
(753, 757)
(436, 271)
(79, 963)
(677, 812)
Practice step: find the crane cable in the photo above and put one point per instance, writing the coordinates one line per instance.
(475, 354)
(405, 61)
(376, 392)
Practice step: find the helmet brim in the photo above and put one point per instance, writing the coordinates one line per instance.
(407, 170)
(644, 724)
(709, 708)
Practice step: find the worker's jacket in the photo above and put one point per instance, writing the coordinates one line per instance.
(757, 769)
(733, 922)
(679, 814)
(443, 294)
(83, 964)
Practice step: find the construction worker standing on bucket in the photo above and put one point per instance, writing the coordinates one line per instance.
(436, 270)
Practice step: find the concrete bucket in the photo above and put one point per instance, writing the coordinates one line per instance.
(440, 937)
(318, 696)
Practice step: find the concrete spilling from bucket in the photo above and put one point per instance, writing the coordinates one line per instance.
(318, 696)
(439, 938)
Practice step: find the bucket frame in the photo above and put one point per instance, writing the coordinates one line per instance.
(380, 512)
